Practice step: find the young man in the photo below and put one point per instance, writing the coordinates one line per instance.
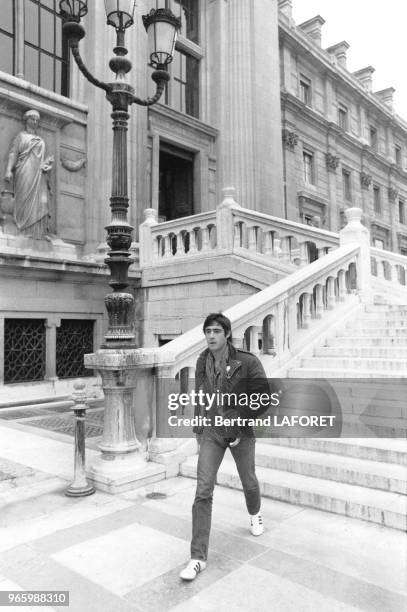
(223, 369)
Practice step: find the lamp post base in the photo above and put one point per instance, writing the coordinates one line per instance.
(82, 491)
(119, 473)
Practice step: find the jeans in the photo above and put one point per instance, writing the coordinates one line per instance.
(211, 452)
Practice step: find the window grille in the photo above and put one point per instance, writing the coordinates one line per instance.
(74, 340)
(24, 350)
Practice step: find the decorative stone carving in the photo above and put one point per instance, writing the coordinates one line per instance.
(290, 139)
(28, 164)
(332, 161)
(74, 166)
(392, 194)
(365, 180)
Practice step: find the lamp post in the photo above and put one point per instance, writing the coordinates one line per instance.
(162, 27)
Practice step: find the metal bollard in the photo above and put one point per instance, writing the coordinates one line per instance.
(79, 487)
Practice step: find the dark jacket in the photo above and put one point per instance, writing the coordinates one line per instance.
(245, 375)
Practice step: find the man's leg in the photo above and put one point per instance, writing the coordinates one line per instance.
(244, 456)
(211, 454)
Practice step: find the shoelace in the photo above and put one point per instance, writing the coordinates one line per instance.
(259, 520)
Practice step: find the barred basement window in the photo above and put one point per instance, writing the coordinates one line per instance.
(74, 340)
(24, 350)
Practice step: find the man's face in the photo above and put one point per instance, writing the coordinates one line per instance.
(215, 337)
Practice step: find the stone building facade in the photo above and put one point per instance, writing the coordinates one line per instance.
(343, 143)
(297, 138)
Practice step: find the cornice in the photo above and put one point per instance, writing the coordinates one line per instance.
(301, 44)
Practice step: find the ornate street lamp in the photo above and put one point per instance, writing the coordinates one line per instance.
(162, 27)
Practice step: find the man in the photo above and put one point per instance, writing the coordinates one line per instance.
(223, 369)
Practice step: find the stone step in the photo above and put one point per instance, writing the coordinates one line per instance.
(371, 474)
(373, 449)
(383, 341)
(374, 332)
(362, 351)
(387, 308)
(313, 371)
(366, 322)
(360, 363)
(382, 507)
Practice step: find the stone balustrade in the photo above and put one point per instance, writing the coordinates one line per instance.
(279, 322)
(389, 266)
(232, 229)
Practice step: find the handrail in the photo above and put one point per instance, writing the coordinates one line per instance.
(192, 341)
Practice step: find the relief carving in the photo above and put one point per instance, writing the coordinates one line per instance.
(392, 193)
(74, 166)
(27, 171)
(365, 180)
(290, 139)
(332, 161)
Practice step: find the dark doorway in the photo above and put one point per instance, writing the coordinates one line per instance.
(176, 189)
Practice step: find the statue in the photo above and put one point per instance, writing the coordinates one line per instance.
(27, 161)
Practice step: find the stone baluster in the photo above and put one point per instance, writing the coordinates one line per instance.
(342, 285)
(269, 336)
(380, 268)
(306, 311)
(285, 249)
(180, 245)
(252, 238)
(394, 277)
(331, 293)
(237, 240)
(277, 248)
(205, 239)
(167, 246)
(254, 339)
(192, 242)
(268, 243)
(303, 254)
(319, 301)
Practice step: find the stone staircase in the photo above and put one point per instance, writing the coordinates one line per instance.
(361, 477)
(365, 479)
(372, 345)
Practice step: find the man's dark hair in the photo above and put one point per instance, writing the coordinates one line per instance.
(224, 322)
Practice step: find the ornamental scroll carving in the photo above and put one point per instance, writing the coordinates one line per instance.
(365, 180)
(332, 161)
(74, 166)
(290, 139)
(392, 194)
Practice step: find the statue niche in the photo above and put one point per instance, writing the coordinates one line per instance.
(27, 169)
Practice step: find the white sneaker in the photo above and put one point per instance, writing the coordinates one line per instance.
(193, 568)
(256, 524)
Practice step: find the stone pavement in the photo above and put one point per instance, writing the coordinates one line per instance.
(123, 553)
